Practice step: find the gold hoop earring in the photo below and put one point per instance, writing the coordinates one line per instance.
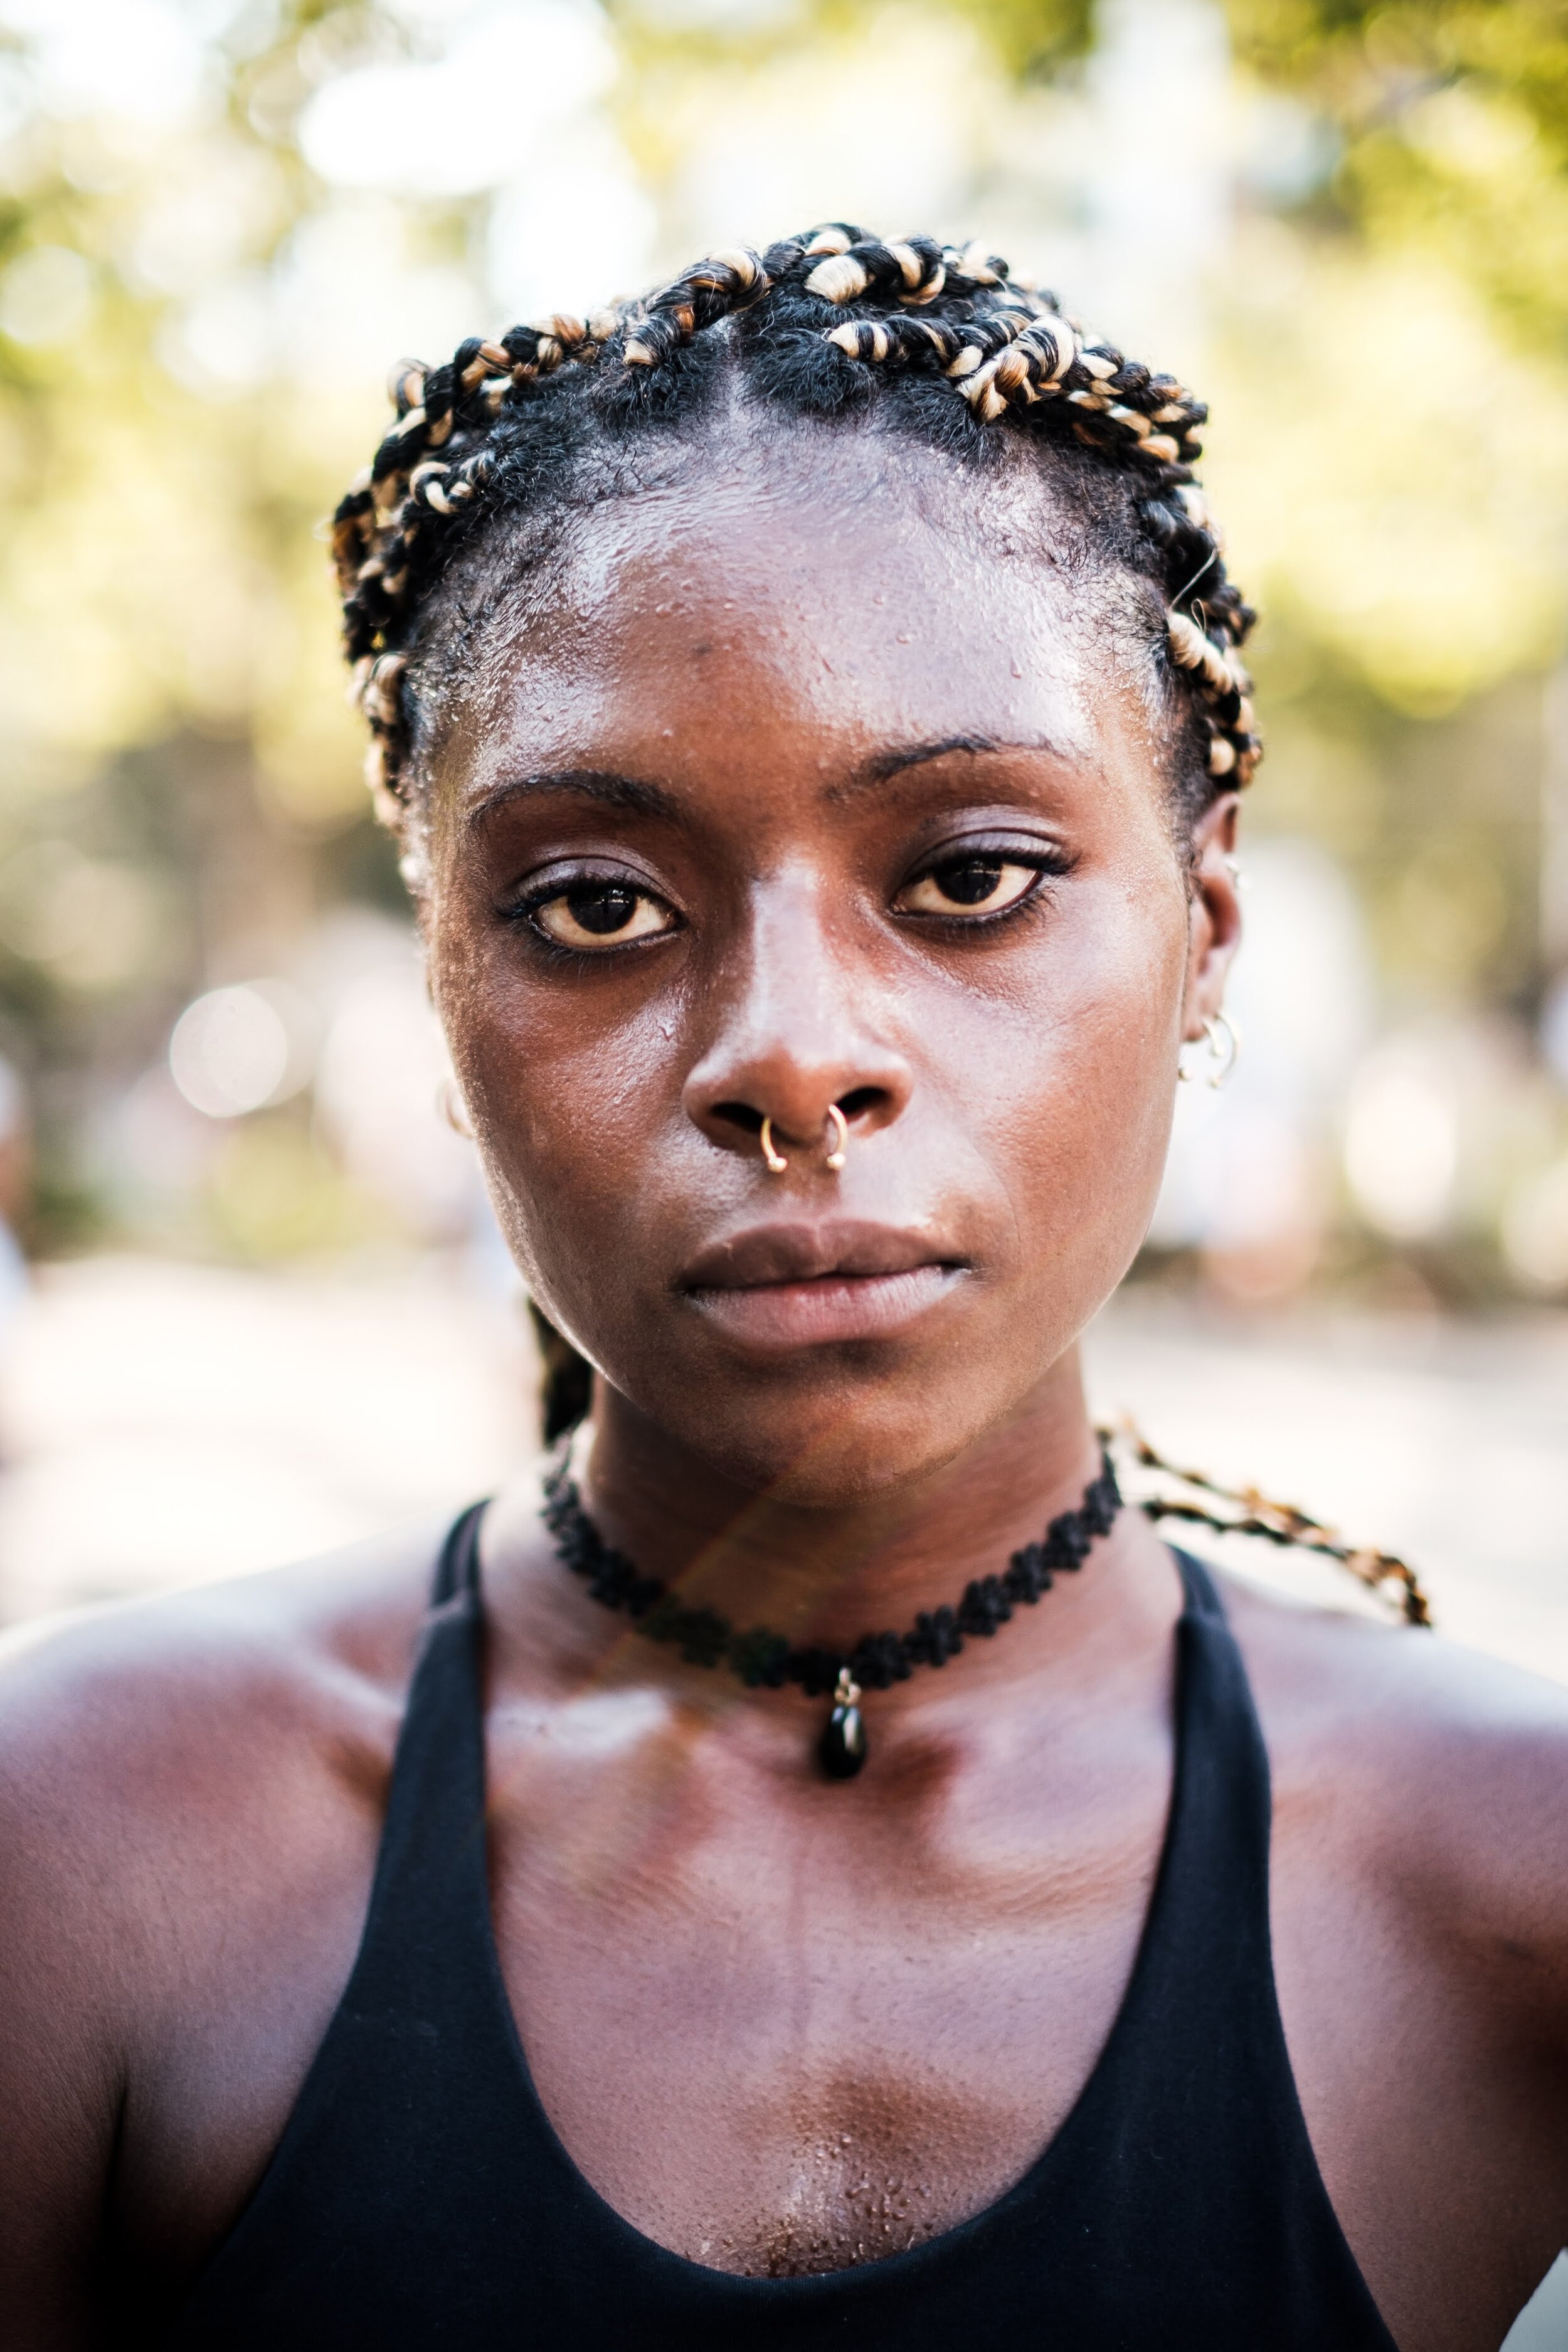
(840, 1126)
(777, 1161)
(1223, 1057)
(454, 1110)
(1227, 1057)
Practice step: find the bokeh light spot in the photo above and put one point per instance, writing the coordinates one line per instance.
(231, 1051)
(1401, 1150)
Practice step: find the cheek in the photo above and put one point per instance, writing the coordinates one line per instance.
(1075, 1070)
(572, 1110)
(597, 1177)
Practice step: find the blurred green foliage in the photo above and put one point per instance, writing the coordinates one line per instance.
(179, 785)
(1453, 124)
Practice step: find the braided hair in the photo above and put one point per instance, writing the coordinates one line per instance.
(935, 341)
(943, 342)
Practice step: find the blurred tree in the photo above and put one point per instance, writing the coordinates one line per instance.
(1453, 122)
(178, 757)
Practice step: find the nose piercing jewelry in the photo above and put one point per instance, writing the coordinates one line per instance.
(838, 1128)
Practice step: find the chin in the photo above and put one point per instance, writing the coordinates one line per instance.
(831, 1436)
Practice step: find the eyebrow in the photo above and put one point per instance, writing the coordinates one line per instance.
(884, 765)
(612, 789)
(601, 784)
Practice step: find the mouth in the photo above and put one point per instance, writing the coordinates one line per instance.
(777, 1287)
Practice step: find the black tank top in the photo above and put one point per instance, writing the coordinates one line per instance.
(420, 2197)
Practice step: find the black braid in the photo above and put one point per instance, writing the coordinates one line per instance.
(566, 1391)
(942, 338)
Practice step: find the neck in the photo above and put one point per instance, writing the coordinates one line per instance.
(830, 1574)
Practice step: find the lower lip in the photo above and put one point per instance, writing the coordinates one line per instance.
(837, 1307)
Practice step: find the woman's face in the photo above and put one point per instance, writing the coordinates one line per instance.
(814, 777)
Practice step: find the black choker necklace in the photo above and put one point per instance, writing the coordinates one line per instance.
(877, 1660)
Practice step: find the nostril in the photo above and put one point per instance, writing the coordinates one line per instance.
(749, 1120)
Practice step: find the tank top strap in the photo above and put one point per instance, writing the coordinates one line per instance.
(431, 1879)
(458, 1563)
(1198, 1587)
(1213, 1901)
(1200, 2029)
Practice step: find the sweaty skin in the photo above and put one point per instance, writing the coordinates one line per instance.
(834, 783)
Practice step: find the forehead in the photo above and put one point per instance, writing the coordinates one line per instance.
(816, 591)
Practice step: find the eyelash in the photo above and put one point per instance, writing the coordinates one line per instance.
(520, 913)
(1048, 865)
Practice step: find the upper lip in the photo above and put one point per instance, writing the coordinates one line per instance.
(808, 1252)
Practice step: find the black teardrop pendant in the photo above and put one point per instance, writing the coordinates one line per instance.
(843, 1744)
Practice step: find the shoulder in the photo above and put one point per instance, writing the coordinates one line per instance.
(190, 1792)
(136, 1679)
(1440, 1772)
(147, 1747)
(1330, 1683)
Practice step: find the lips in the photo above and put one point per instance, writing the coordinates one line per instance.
(778, 1286)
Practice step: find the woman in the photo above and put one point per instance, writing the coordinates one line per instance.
(808, 702)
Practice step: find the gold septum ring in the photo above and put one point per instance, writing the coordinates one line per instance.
(838, 1128)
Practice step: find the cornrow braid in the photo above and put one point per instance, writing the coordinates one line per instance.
(725, 282)
(820, 320)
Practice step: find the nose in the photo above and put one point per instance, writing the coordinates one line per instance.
(796, 1037)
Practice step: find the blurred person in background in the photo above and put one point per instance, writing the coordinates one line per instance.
(805, 1863)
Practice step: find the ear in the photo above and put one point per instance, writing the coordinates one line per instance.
(1214, 916)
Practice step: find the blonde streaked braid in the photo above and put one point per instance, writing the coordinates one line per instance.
(429, 467)
(478, 432)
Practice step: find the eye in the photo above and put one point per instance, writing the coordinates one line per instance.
(600, 915)
(969, 885)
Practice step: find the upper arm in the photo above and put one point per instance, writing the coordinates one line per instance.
(1433, 1784)
(66, 1952)
(190, 1794)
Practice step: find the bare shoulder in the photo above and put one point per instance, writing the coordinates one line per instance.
(144, 1681)
(157, 1747)
(182, 1782)
(1442, 1771)
(1327, 1678)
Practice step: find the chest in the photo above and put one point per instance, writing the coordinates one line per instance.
(781, 2037)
